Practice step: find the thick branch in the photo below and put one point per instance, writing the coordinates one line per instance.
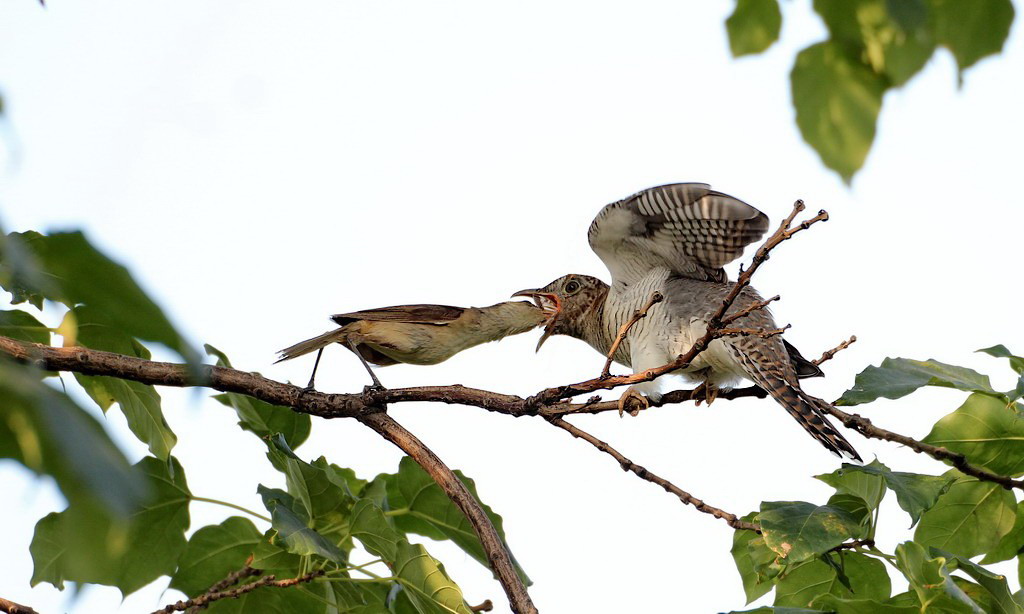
(627, 465)
(497, 554)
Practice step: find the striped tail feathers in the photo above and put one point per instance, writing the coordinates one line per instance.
(302, 348)
(808, 411)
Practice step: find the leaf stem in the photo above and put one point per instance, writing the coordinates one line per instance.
(231, 505)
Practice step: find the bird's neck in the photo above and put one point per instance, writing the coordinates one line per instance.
(589, 325)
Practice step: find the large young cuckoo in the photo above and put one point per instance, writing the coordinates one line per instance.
(675, 239)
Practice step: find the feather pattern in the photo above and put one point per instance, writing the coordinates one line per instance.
(687, 228)
(412, 314)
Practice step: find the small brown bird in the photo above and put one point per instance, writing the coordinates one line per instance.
(419, 334)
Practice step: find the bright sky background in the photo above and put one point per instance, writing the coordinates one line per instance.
(262, 165)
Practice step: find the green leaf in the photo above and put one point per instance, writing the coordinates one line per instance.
(753, 26)
(140, 403)
(1011, 543)
(868, 485)
(213, 552)
(371, 527)
(997, 591)
(428, 586)
(986, 431)
(898, 377)
(837, 103)
(21, 272)
(801, 585)
(87, 546)
(79, 273)
(772, 610)
(1000, 351)
(292, 530)
(429, 512)
(915, 492)
(47, 550)
(839, 605)
(972, 29)
(968, 520)
(930, 579)
(22, 326)
(48, 433)
(753, 585)
(895, 43)
(797, 531)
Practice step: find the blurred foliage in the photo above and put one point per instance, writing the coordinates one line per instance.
(125, 525)
(957, 517)
(873, 46)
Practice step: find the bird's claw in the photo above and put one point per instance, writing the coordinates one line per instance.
(705, 392)
(632, 401)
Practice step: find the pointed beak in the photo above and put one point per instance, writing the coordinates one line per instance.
(550, 304)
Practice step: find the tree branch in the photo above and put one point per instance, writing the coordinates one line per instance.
(497, 553)
(9, 607)
(829, 354)
(208, 597)
(627, 465)
(639, 314)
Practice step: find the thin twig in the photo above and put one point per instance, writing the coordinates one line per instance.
(639, 314)
(497, 554)
(232, 578)
(9, 607)
(864, 427)
(486, 606)
(732, 317)
(764, 333)
(829, 354)
(207, 598)
(627, 465)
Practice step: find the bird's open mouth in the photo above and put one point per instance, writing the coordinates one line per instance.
(551, 306)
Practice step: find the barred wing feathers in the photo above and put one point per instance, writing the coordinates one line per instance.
(686, 227)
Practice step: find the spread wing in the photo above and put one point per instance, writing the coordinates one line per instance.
(686, 227)
(419, 314)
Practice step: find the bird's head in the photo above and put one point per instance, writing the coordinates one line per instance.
(568, 299)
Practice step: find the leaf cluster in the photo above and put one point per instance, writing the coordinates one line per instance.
(823, 558)
(873, 46)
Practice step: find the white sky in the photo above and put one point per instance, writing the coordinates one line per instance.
(262, 165)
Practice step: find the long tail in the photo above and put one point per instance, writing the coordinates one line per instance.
(809, 412)
(767, 366)
(309, 345)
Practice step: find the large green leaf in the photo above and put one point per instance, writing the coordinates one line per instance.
(867, 579)
(998, 595)
(79, 273)
(753, 26)
(986, 431)
(371, 527)
(260, 417)
(420, 506)
(140, 403)
(840, 605)
(21, 273)
(1011, 543)
(972, 29)
(213, 552)
(930, 579)
(970, 519)
(754, 585)
(292, 529)
(868, 485)
(898, 377)
(86, 546)
(1000, 351)
(49, 433)
(915, 492)
(837, 101)
(428, 586)
(895, 43)
(20, 325)
(797, 530)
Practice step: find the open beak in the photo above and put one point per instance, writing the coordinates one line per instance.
(550, 304)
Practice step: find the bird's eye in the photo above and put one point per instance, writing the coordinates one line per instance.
(572, 286)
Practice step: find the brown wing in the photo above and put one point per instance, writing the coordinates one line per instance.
(412, 314)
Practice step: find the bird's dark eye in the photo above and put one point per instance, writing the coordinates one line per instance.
(572, 286)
